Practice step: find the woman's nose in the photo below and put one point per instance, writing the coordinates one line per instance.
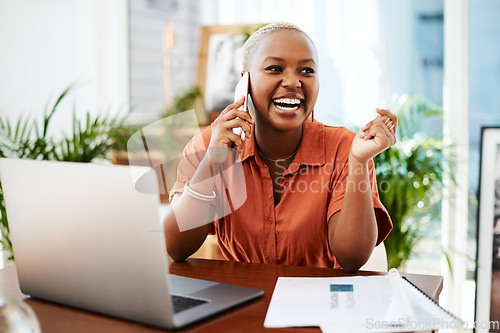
(291, 80)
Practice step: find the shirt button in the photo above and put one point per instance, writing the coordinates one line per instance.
(269, 221)
(270, 260)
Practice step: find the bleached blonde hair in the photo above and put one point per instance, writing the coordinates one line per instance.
(256, 37)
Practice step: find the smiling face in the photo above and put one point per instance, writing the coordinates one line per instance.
(283, 80)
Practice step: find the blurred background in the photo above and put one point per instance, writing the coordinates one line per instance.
(157, 57)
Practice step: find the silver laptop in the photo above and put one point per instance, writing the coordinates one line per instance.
(84, 236)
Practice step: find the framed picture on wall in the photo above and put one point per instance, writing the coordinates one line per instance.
(488, 239)
(219, 66)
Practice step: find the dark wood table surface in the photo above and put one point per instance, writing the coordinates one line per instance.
(245, 318)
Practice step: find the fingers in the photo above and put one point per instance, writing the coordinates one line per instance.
(385, 117)
(231, 113)
(383, 127)
(223, 136)
(389, 124)
(375, 130)
(238, 103)
(392, 119)
(238, 122)
(229, 119)
(234, 105)
(391, 138)
(234, 119)
(234, 138)
(234, 113)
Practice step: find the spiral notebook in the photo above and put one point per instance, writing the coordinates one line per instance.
(383, 303)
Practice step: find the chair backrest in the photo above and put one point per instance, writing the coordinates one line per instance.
(377, 261)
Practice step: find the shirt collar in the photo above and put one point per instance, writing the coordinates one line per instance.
(311, 148)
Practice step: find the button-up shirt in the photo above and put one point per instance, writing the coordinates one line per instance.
(294, 232)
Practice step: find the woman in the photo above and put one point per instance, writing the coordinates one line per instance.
(311, 191)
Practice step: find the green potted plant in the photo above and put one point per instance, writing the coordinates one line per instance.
(410, 175)
(28, 138)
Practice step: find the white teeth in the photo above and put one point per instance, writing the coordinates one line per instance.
(287, 101)
(284, 108)
(287, 104)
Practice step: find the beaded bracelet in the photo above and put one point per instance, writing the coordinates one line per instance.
(196, 195)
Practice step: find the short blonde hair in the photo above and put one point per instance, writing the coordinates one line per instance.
(256, 37)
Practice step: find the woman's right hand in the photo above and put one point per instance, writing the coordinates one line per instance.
(223, 137)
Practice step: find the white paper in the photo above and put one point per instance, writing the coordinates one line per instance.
(354, 304)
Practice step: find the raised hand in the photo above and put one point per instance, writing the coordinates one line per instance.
(223, 137)
(375, 137)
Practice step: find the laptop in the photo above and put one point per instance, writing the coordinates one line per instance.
(84, 236)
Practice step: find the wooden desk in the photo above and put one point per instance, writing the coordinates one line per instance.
(246, 318)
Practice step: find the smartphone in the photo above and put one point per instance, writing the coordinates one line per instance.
(242, 90)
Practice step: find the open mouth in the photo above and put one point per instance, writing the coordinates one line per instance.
(287, 104)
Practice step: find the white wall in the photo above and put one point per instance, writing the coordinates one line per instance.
(47, 45)
(153, 83)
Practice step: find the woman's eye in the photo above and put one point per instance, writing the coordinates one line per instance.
(307, 70)
(274, 68)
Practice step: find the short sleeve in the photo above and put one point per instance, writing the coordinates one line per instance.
(338, 186)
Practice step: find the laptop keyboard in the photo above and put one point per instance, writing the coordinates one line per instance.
(182, 303)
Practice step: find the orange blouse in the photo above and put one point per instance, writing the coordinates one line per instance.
(295, 232)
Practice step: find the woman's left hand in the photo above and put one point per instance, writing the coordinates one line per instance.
(375, 137)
